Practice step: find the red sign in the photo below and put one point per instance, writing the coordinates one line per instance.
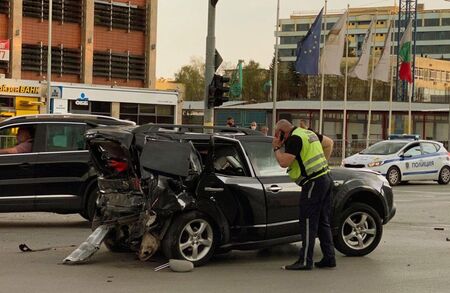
(4, 50)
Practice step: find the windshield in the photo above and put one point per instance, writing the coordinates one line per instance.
(384, 148)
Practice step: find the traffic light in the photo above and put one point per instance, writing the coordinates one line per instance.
(217, 91)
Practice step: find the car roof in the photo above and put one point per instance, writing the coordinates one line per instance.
(194, 132)
(87, 118)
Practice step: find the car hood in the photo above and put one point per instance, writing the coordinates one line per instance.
(365, 159)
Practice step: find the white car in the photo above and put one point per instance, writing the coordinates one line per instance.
(404, 160)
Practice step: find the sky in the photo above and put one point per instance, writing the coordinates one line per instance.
(244, 28)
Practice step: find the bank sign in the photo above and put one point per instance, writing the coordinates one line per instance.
(82, 100)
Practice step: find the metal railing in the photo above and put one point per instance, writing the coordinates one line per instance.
(7, 141)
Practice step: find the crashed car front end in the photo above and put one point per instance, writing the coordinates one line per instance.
(143, 181)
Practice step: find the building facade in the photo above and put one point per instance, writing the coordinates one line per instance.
(433, 30)
(103, 50)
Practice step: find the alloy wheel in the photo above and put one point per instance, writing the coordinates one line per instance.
(394, 176)
(196, 240)
(445, 175)
(359, 230)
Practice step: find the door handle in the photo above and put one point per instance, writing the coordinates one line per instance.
(214, 189)
(274, 188)
(25, 165)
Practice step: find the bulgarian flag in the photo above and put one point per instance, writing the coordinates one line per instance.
(405, 54)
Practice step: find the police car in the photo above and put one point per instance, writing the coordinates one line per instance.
(404, 158)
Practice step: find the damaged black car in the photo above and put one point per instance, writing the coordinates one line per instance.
(191, 194)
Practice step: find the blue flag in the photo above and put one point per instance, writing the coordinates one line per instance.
(308, 49)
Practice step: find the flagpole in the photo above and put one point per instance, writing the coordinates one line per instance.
(410, 108)
(392, 78)
(344, 118)
(322, 89)
(275, 69)
(369, 118)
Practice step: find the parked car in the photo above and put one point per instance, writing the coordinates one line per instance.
(194, 194)
(403, 159)
(54, 175)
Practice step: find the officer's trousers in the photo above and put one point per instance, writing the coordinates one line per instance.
(315, 214)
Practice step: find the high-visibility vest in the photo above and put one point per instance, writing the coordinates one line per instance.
(311, 162)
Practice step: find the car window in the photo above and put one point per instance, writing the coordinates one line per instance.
(17, 138)
(263, 158)
(65, 137)
(228, 160)
(384, 148)
(413, 151)
(429, 148)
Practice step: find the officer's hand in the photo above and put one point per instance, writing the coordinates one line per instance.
(276, 143)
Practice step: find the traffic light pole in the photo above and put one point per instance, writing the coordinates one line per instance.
(208, 118)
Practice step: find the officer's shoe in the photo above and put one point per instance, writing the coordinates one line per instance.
(325, 263)
(297, 266)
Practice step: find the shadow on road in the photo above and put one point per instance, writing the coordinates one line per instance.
(45, 224)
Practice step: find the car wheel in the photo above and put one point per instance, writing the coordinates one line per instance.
(91, 205)
(360, 230)
(192, 237)
(444, 175)
(394, 176)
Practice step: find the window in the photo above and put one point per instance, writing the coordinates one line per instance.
(263, 158)
(429, 148)
(8, 137)
(6, 102)
(413, 151)
(147, 113)
(64, 60)
(446, 21)
(18, 137)
(302, 27)
(227, 160)
(101, 108)
(432, 22)
(63, 10)
(119, 65)
(120, 15)
(4, 6)
(65, 137)
(288, 27)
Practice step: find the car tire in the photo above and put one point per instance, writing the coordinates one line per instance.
(360, 230)
(185, 241)
(394, 176)
(91, 204)
(444, 175)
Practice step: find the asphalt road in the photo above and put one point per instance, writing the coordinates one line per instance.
(412, 257)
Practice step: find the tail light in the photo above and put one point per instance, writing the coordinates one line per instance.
(119, 166)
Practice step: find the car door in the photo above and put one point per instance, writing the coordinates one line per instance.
(431, 160)
(17, 184)
(62, 168)
(236, 191)
(282, 195)
(410, 162)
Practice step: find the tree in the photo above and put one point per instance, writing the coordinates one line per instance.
(193, 77)
(254, 78)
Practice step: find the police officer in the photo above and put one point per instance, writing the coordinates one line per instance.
(308, 167)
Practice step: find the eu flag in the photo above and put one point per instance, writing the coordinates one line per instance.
(308, 49)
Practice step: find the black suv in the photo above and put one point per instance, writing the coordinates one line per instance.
(191, 194)
(56, 175)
